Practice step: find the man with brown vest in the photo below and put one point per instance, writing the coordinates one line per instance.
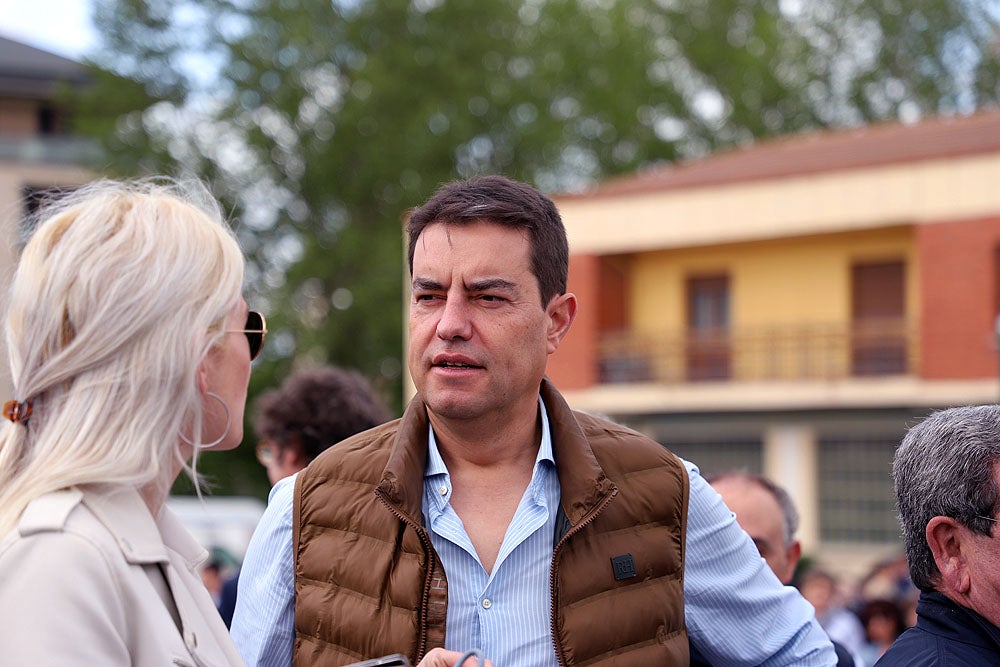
(493, 516)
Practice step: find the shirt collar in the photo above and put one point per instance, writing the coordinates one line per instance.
(436, 466)
(545, 448)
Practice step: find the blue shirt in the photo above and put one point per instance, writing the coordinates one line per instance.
(736, 610)
(489, 610)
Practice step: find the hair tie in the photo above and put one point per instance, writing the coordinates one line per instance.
(17, 412)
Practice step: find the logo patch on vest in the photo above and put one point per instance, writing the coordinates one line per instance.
(623, 566)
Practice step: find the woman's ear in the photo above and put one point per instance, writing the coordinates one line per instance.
(202, 377)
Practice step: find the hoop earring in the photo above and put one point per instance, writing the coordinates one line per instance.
(229, 423)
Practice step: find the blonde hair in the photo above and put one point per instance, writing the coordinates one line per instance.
(118, 295)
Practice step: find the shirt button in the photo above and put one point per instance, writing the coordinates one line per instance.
(443, 490)
(487, 603)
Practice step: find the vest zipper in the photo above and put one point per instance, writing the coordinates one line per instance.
(552, 571)
(429, 549)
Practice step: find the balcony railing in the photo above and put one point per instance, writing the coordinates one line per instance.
(49, 149)
(803, 352)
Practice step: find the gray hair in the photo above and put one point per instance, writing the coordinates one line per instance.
(944, 467)
(789, 515)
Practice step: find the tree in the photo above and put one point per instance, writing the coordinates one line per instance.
(322, 121)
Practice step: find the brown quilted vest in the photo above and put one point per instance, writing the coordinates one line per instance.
(368, 582)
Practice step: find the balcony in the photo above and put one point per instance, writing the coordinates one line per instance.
(880, 347)
(48, 149)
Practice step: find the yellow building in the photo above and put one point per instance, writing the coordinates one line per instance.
(36, 150)
(790, 308)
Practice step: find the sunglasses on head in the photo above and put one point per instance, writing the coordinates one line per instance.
(256, 330)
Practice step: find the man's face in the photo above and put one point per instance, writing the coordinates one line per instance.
(479, 336)
(759, 514)
(982, 554)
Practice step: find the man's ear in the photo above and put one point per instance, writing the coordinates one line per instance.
(794, 553)
(945, 537)
(561, 312)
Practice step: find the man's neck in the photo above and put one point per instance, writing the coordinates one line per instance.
(490, 466)
(981, 606)
(494, 443)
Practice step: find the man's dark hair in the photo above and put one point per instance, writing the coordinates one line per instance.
(508, 203)
(944, 467)
(317, 408)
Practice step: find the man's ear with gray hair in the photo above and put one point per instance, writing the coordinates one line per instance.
(948, 542)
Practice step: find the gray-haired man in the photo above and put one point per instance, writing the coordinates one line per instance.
(767, 514)
(947, 477)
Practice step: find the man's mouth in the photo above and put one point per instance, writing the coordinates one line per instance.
(454, 361)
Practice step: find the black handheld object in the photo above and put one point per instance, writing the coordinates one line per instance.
(394, 660)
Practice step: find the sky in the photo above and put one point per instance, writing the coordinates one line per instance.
(60, 26)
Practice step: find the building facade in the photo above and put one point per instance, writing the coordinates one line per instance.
(792, 307)
(37, 150)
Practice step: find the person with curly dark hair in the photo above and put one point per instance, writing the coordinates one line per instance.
(313, 409)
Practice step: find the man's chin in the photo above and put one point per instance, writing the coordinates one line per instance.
(453, 407)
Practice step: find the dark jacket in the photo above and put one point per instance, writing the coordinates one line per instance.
(368, 581)
(946, 634)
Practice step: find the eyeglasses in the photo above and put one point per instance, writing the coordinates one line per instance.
(266, 452)
(256, 331)
(980, 516)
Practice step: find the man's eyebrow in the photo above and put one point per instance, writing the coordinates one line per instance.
(491, 284)
(426, 284)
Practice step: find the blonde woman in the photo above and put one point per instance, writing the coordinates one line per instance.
(130, 348)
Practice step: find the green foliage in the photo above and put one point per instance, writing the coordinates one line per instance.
(321, 122)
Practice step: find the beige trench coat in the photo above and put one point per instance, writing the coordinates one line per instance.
(82, 583)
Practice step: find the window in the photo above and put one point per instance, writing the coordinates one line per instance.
(623, 358)
(47, 120)
(856, 497)
(612, 315)
(878, 319)
(708, 353)
(717, 456)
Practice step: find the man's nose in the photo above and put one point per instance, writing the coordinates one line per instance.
(456, 320)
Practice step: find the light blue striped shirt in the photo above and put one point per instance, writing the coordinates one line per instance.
(737, 613)
(505, 613)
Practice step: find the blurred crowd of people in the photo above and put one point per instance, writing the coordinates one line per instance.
(867, 616)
